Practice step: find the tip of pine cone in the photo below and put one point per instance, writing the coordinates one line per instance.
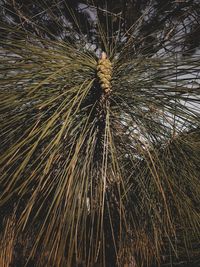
(103, 55)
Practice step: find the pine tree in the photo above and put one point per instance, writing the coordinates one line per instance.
(99, 153)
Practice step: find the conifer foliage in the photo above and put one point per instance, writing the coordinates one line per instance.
(100, 148)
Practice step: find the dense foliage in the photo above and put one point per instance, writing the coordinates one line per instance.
(91, 177)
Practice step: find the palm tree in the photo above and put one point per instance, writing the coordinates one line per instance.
(99, 153)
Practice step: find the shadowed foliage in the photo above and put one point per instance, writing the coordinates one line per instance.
(98, 170)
